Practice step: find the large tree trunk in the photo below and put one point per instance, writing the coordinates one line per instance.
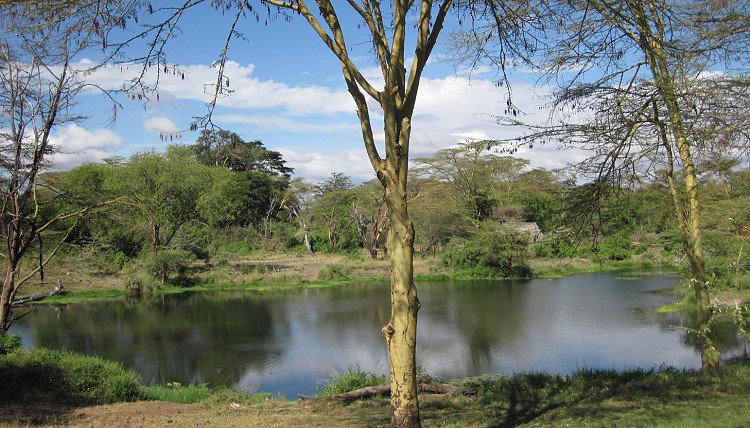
(401, 332)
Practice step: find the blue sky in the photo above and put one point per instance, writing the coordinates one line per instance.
(289, 93)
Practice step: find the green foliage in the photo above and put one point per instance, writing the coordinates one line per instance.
(64, 376)
(554, 246)
(497, 253)
(337, 182)
(616, 246)
(176, 393)
(543, 209)
(169, 261)
(9, 342)
(225, 149)
(354, 378)
(481, 206)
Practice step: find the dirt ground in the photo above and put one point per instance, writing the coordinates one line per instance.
(146, 414)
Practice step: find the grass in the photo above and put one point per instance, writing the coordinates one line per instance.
(349, 381)
(176, 393)
(29, 375)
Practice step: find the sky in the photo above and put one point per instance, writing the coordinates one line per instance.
(288, 92)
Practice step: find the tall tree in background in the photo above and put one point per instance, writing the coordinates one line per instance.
(220, 148)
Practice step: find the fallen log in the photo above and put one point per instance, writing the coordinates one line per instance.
(18, 301)
(385, 389)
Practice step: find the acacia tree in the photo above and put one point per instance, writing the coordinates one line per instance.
(397, 100)
(480, 178)
(629, 66)
(38, 85)
(395, 30)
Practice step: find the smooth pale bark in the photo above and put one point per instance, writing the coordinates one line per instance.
(397, 99)
(401, 331)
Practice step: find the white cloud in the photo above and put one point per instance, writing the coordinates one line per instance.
(276, 123)
(318, 166)
(197, 82)
(161, 125)
(76, 145)
(308, 122)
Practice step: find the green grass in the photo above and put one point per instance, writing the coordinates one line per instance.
(663, 397)
(65, 377)
(176, 393)
(82, 296)
(354, 378)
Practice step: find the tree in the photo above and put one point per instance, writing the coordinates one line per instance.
(163, 192)
(631, 67)
(397, 100)
(220, 148)
(337, 181)
(480, 178)
(388, 32)
(371, 217)
(332, 215)
(38, 86)
(298, 200)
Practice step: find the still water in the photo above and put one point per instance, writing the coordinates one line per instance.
(290, 341)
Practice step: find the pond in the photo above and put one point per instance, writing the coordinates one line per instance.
(288, 342)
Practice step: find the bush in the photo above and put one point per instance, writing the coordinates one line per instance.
(349, 381)
(495, 254)
(333, 272)
(65, 377)
(555, 247)
(616, 246)
(168, 262)
(9, 343)
(134, 288)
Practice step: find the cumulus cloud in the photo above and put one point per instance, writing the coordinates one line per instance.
(318, 166)
(316, 126)
(198, 82)
(161, 125)
(75, 145)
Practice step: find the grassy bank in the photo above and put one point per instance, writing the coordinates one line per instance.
(278, 271)
(54, 388)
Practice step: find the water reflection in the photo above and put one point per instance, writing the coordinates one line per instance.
(287, 342)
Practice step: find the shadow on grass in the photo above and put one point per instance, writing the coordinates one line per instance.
(602, 395)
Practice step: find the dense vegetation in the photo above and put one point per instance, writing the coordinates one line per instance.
(480, 214)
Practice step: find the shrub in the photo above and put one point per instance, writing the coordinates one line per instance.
(616, 246)
(494, 254)
(349, 381)
(168, 262)
(134, 288)
(555, 247)
(66, 377)
(333, 272)
(9, 343)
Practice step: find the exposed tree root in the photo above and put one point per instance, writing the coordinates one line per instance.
(385, 389)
